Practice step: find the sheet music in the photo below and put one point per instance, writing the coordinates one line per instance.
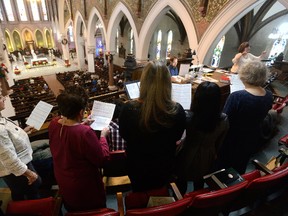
(182, 93)
(133, 90)
(184, 69)
(102, 114)
(236, 83)
(39, 115)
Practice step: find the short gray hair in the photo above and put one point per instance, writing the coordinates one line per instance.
(254, 73)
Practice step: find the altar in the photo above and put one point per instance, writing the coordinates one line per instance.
(39, 61)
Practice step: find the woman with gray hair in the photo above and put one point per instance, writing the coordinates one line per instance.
(246, 110)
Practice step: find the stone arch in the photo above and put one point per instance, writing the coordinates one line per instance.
(80, 39)
(113, 24)
(94, 17)
(37, 39)
(9, 40)
(221, 25)
(152, 19)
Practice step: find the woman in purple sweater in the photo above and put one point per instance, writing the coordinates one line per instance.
(77, 153)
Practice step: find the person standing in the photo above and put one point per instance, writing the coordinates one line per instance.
(77, 153)
(16, 168)
(151, 126)
(246, 110)
(244, 56)
(206, 129)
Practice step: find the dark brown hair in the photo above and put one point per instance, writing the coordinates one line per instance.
(242, 46)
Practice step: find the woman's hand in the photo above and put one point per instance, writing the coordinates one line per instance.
(88, 121)
(29, 129)
(31, 176)
(105, 132)
(263, 53)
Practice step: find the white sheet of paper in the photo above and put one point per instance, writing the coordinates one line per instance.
(182, 93)
(236, 83)
(133, 90)
(39, 114)
(184, 69)
(10, 79)
(102, 114)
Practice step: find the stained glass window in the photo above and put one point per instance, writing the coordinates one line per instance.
(117, 41)
(22, 10)
(34, 8)
(277, 48)
(1, 15)
(70, 33)
(44, 10)
(217, 53)
(169, 43)
(158, 49)
(8, 8)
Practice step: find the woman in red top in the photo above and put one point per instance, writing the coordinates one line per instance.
(77, 153)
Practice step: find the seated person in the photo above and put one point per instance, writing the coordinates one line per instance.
(115, 141)
(173, 66)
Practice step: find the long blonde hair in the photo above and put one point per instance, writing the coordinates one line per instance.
(155, 95)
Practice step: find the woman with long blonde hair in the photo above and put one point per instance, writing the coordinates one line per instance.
(151, 125)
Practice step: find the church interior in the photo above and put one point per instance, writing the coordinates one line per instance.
(48, 45)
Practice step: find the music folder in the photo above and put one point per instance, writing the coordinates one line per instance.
(132, 89)
(184, 69)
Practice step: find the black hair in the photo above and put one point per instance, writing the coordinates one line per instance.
(206, 106)
(71, 101)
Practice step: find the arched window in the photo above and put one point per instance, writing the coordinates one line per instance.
(49, 39)
(169, 43)
(217, 53)
(281, 35)
(39, 38)
(8, 42)
(1, 15)
(8, 9)
(277, 48)
(131, 37)
(44, 10)
(99, 43)
(34, 8)
(117, 41)
(22, 10)
(70, 33)
(159, 39)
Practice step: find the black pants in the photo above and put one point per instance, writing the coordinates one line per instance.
(20, 190)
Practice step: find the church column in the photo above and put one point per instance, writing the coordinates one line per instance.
(65, 49)
(90, 58)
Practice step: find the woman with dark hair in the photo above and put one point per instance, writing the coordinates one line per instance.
(151, 126)
(244, 56)
(246, 110)
(205, 132)
(77, 153)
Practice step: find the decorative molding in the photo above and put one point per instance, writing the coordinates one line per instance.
(91, 50)
(64, 41)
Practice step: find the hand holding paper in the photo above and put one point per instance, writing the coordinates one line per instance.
(102, 114)
(39, 115)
